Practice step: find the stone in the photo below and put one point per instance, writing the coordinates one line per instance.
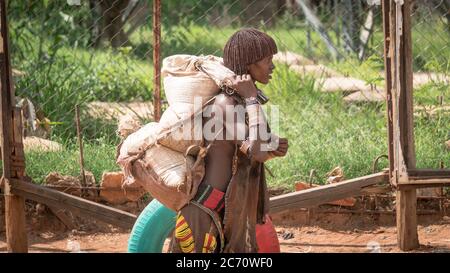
(112, 191)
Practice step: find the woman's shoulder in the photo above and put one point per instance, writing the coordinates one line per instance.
(224, 99)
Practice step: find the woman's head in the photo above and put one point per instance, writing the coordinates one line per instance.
(250, 51)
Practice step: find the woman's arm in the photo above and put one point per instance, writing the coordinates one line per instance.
(254, 139)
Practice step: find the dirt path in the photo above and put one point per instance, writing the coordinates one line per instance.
(326, 228)
(433, 238)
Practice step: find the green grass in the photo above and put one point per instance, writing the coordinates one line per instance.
(77, 76)
(99, 157)
(323, 132)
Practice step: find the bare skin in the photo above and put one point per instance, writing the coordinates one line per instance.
(219, 164)
(220, 156)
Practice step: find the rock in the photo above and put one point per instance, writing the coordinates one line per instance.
(90, 178)
(315, 70)
(70, 184)
(373, 95)
(32, 143)
(341, 84)
(291, 58)
(421, 78)
(110, 111)
(112, 191)
(64, 183)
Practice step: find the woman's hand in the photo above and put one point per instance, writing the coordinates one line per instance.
(244, 86)
(282, 148)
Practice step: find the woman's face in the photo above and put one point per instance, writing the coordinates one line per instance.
(261, 71)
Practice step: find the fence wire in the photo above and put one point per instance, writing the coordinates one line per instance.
(328, 85)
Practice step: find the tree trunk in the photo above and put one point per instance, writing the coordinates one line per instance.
(112, 11)
(365, 33)
(256, 12)
(95, 23)
(139, 16)
(292, 7)
(443, 8)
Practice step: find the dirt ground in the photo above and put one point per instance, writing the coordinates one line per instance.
(329, 229)
(433, 238)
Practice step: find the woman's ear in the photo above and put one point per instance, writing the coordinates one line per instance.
(250, 69)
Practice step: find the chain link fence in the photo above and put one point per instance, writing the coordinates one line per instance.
(328, 84)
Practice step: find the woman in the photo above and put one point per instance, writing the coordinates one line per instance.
(232, 197)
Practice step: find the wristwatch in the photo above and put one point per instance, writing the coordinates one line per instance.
(251, 100)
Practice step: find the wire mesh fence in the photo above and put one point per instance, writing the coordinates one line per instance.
(328, 85)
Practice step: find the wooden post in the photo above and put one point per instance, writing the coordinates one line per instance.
(406, 199)
(13, 162)
(398, 61)
(80, 143)
(387, 66)
(156, 59)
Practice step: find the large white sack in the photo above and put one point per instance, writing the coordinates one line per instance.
(159, 170)
(191, 131)
(169, 165)
(189, 82)
(183, 81)
(136, 142)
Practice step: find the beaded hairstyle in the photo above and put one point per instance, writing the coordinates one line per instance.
(245, 47)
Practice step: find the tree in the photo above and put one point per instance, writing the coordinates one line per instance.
(259, 11)
(110, 26)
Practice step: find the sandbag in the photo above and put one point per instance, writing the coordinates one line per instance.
(167, 158)
(191, 131)
(187, 77)
(136, 142)
(169, 176)
(189, 82)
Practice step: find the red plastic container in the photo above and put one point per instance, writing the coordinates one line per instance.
(266, 237)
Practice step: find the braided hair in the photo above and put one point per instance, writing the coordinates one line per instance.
(245, 47)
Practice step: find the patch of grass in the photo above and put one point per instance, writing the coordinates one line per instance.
(99, 156)
(430, 134)
(78, 76)
(323, 131)
(430, 93)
